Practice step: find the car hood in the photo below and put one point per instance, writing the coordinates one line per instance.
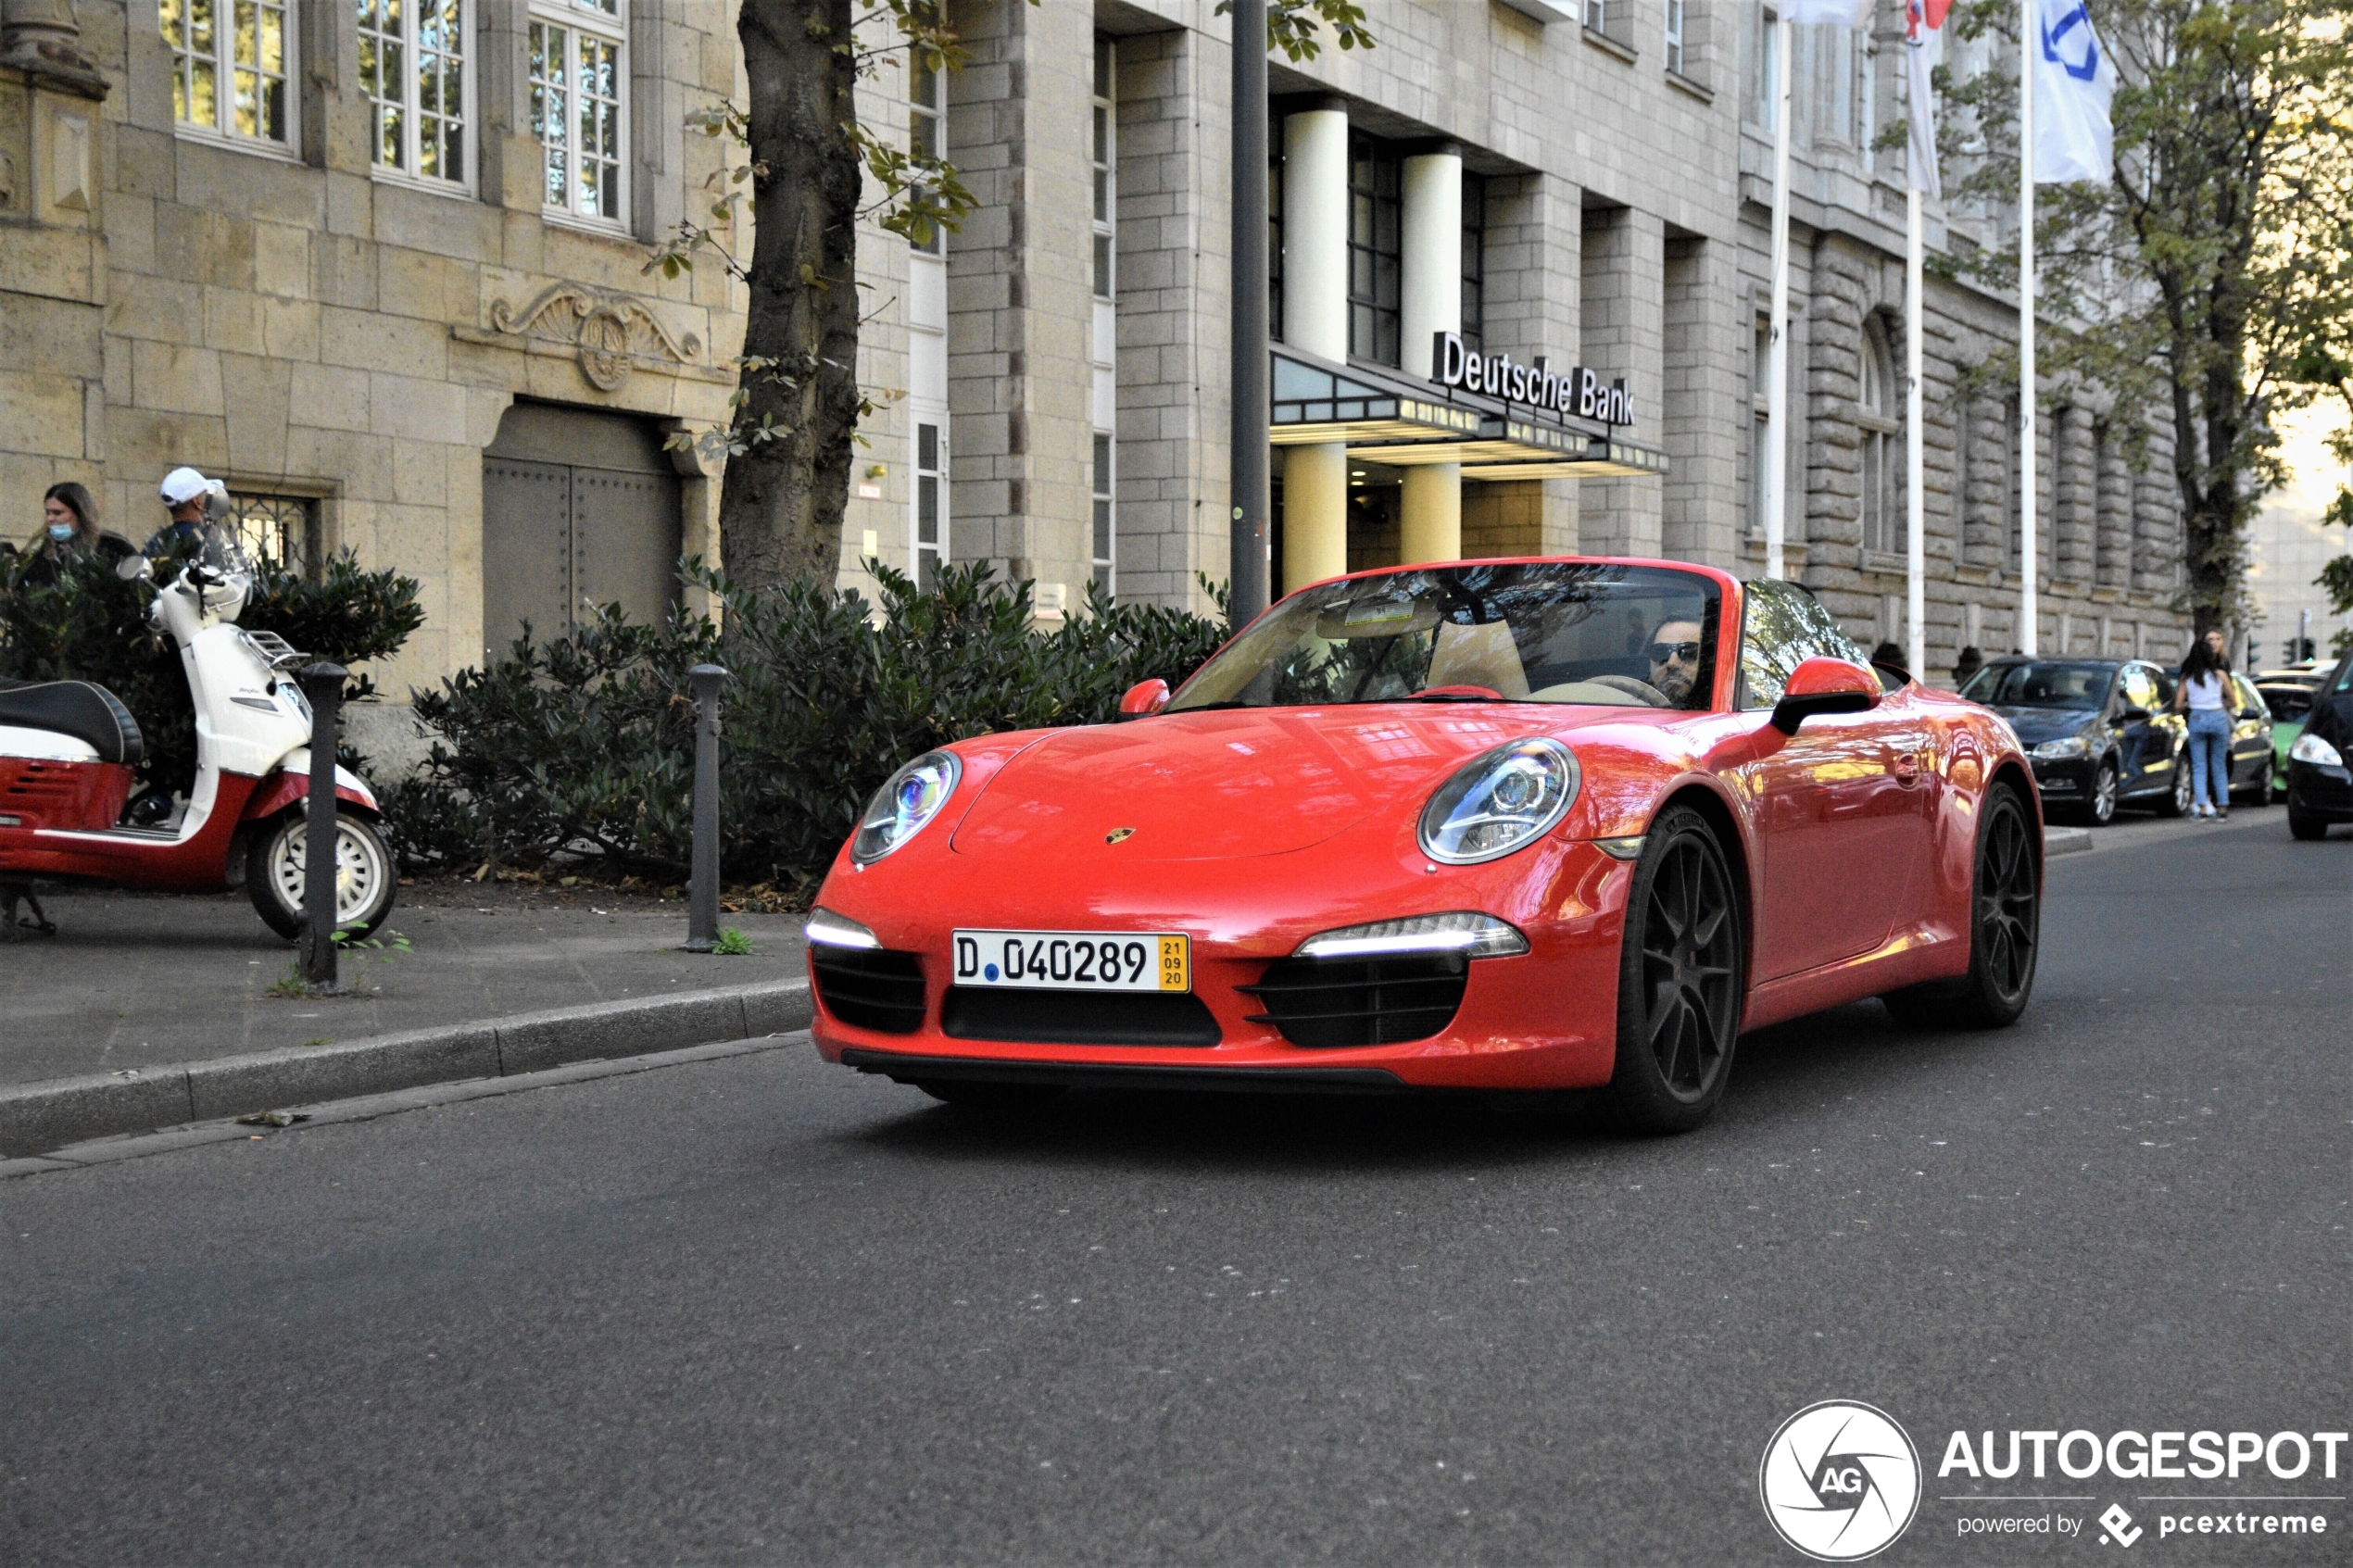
(2035, 725)
(1196, 786)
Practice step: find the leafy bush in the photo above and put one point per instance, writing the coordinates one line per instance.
(91, 625)
(584, 743)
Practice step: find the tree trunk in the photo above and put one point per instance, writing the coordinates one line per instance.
(781, 509)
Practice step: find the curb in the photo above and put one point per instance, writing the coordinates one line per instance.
(36, 1118)
(2066, 841)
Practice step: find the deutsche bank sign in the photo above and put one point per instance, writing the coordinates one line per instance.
(1582, 392)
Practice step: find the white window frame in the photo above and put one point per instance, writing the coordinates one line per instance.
(1675, 36)
(373, 40)
(935, 476)
(927, 130)
(607, 23)
(220, 56)
(1102, 160)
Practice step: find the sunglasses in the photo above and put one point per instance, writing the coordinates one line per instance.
(1662, 652)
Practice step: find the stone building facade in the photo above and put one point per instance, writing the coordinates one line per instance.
(381, 266)
(1611, 163)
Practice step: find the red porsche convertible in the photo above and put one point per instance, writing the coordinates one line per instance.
(1507, 824)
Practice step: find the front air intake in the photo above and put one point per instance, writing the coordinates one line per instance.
(870, 987)
(1381, 1002)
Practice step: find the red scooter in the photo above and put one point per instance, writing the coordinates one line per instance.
(67, 749)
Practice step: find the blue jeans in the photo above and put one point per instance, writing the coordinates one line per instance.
(2211, 755)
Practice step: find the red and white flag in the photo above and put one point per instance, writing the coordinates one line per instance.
(1923, 50)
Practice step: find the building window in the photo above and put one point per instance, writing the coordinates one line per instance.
(1760, 398)
(1376, 267)
(1105, 536)
(1103, 159)
(2013, 471)
(1883, 481)
(1104, 155)
(1275, 244)
(578, 79)
(1474, 261)
(926, 131)
(1764, 55)
(1675, 36)
(282, 528)
(413, 63)
(929, 546)
(231, 72)
(1597, 15)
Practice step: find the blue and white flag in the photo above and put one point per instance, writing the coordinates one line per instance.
(2074, 78)
(1836, 13)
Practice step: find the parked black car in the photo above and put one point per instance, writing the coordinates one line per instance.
(2098, 732)
(2320, 786)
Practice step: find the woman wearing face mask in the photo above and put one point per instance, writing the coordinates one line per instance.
(69, 527)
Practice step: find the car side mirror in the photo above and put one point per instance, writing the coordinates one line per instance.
(1144, 697)
(1824, 685)
(134, 567)
(2132, 715)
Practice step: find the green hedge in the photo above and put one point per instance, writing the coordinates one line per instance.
(583, 743)
(91, 625)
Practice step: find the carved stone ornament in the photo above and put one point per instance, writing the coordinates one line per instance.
(611, 332)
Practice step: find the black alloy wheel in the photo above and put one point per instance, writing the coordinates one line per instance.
(2102, 808)
(2175, 801)
(1680, 985)
(2006, 920)
(2259, 793)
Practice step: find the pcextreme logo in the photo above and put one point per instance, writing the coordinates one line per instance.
(1840, 1481)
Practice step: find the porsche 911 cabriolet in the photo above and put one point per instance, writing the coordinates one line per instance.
(1541, 824)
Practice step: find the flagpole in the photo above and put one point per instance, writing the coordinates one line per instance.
(1775, 455)
(1915, 453)
(2028, 611)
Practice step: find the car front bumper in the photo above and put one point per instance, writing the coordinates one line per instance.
(2320, 790)
(1544, 1018)
(2064, 779)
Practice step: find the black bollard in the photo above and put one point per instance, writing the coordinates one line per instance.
(322, 683)
(702, 888)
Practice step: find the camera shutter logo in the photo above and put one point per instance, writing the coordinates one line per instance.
(1840, 1481)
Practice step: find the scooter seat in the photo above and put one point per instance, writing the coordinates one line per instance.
(86, 711)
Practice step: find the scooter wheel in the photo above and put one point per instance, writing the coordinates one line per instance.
(365, 878)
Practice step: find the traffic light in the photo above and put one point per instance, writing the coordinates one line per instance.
(2298, 649)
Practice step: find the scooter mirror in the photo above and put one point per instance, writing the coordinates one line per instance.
(132, 569)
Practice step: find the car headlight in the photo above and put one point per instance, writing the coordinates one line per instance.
(2310, 747)
(907, 799)
(1471, 935)
(2053, 750)
(827, 929)
(1502, 801)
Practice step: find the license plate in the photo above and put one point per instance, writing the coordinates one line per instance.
(1075, 960)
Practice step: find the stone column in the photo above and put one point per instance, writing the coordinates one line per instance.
(1430, 509)
(1315, 320)
(2114, 515)
(41, 37)
(1623, 333)
(2074, 519)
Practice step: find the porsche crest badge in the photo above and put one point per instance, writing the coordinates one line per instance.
(1119, 834)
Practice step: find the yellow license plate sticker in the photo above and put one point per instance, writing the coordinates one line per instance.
(1175, 963)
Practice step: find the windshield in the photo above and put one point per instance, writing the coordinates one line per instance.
(2040, 685)
(1618, 636)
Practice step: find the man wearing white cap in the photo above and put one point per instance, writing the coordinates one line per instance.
(185, 493)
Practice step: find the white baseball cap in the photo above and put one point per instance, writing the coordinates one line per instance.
(183, 486)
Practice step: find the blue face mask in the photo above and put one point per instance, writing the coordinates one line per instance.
(61, 532)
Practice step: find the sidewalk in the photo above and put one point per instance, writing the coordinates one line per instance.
(138, 980)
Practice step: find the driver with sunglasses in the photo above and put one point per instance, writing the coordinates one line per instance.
(1674, 656)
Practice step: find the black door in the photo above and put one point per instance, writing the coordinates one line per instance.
(579, 507)
(2143, 751)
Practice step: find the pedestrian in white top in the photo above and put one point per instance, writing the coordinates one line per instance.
(2205, 692)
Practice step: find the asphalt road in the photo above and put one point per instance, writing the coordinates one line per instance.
(761, 1310)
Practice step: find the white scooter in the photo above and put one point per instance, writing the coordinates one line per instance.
(68, 750)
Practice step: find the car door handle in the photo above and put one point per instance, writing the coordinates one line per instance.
(1907, 767)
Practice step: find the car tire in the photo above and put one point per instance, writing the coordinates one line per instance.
(2175, 801)
(967, 1094)
(1681, 979)
(366, 877)
(2306, 825)
(2006, 920)
(2100, 809)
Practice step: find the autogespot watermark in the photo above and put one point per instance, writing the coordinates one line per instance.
(1840, 1481)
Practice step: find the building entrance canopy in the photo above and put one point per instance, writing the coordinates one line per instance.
(1386, 416)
